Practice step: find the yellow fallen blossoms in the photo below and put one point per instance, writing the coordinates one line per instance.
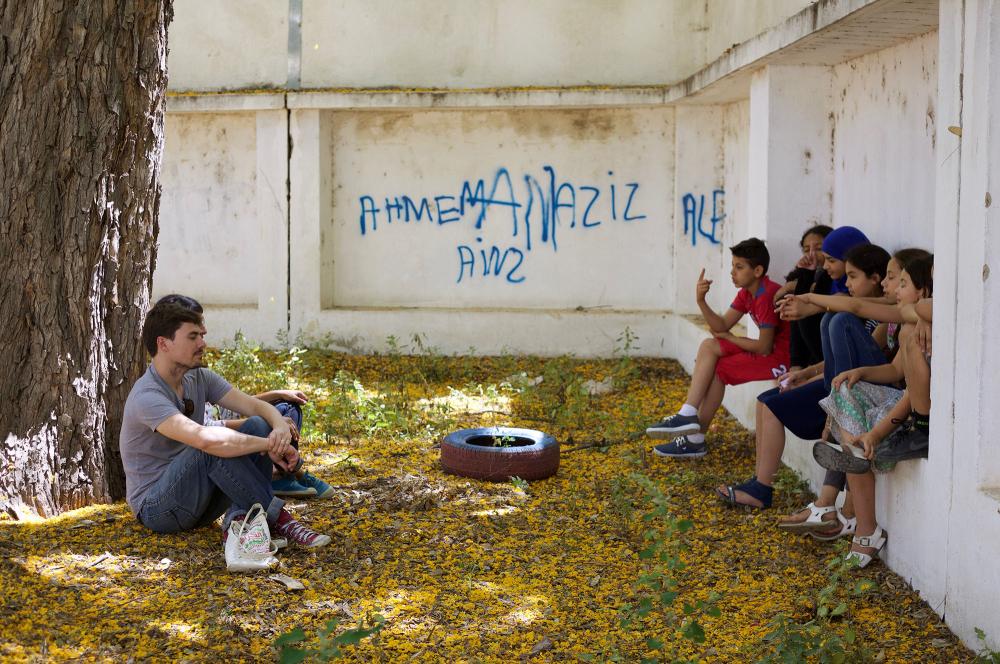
(461, 570)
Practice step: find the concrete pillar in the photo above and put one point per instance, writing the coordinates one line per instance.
(967, 317)
(272, 211)
(308, 171)
(699, 213)
(791, 167)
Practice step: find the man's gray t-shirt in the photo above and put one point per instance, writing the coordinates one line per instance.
(145, 452)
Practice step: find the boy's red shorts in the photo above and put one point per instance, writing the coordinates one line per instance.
(737, 366)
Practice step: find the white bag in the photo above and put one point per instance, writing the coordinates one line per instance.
(248, 545)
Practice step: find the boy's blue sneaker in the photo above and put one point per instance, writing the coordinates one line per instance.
(323, 490)
(681, 448)
(674, 425)
(288, 486)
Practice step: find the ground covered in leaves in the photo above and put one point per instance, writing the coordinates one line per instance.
(462, 570)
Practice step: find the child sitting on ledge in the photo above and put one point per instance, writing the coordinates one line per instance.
(727, 359)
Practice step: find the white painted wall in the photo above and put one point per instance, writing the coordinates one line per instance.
(224, 219)
(458, 44)
(790, 149)
(553, 209)
(962, 468)
(884, 168)
(228, 45)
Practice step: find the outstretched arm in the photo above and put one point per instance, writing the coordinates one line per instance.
(862, 307)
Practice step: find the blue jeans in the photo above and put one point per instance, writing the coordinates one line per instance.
(846, 345)
(197, 487)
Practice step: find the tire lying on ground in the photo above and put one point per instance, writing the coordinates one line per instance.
(499, 453)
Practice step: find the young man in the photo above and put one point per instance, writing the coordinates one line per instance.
(728, 359)
(302, 483)
(181, 475)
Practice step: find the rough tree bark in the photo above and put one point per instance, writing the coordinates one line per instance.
(82, 88)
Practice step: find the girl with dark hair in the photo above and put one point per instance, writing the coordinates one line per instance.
(807, 277)
(876, 425)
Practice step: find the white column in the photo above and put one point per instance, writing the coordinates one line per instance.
(967, 320)
(699, 207)
(791, 168)
(272, 219)
(308, 212)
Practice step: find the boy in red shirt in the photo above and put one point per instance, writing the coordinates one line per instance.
(727, 359)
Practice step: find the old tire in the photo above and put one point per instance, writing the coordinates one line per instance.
(532, 456)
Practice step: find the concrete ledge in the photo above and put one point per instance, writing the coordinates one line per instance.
(827, 32)
(387, 99)
(222, 102)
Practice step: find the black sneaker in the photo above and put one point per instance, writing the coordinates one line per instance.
(902, 444)
(674, 425)
(681, 448)
(834, 457)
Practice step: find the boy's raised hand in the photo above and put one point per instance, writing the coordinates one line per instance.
(702, 287)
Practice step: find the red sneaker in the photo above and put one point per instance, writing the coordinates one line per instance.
(295, 532)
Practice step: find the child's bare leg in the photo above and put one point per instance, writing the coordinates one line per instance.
(708, 356)
(848, 508)
(711, 402)
(863, 493)
(918, 376)
(772, 444)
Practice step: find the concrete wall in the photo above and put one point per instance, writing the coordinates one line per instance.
(228, 45)
(457, 44)
(553, 209)
(884, 171)
(224, 219)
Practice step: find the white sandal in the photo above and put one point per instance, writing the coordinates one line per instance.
(813, 522)
(875, 541)
(848, 526)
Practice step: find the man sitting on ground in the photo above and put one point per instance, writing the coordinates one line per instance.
(180, 474)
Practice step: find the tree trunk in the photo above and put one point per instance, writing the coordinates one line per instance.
(82, 88)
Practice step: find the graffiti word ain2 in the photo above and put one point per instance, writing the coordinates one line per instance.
(694, 216)
(492, 262)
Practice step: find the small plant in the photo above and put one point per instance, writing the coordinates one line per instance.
(625, 369)
(560, 392)
(658, 588)
(519, 484)
(503, 440)
(985, 654)
(819, 638)
(329, 645)
(254, 369)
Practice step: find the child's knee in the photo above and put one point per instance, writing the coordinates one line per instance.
(710, 346)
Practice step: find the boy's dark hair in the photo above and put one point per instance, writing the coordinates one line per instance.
(870, 259)
(921, 271)
(819, 229)
(183, 300)
(754, 251)
(906, 256)
(163, 320)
